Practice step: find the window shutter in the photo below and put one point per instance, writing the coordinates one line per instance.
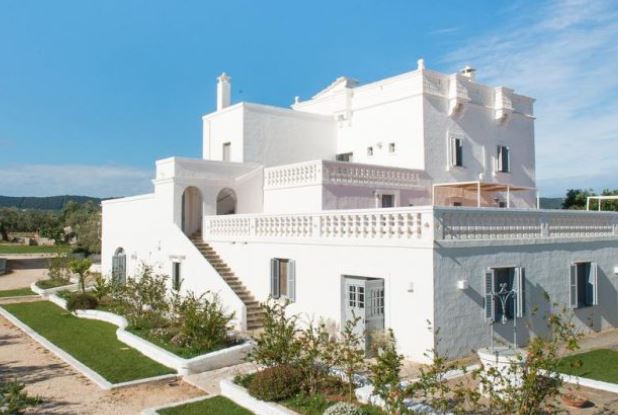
(573, 287)
(594, 282)
(507, 168)
(115, 272)
(499, 160)
(520, 286)
(274, 278)
(292, 280)
(490, 312)
(452, 151)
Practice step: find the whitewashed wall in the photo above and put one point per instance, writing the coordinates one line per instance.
(319, 269)
(459, 313)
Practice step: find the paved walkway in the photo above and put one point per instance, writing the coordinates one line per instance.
(209, 381)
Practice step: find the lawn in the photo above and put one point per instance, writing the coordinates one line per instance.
(16, 292)
(52, 283)
(25, 249)
(601, 364)
(92, 342)
(217, 405)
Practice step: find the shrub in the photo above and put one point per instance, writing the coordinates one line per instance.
(344, 408)
(349, 354)
(82, 301)
(143, 299)
(277, 343)
(102, 288)
(202, 322)
(81, 267)
(276, 383)
(14, 400)
(386, 373)
(58, 268)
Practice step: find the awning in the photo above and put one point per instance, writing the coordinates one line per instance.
(474, 193)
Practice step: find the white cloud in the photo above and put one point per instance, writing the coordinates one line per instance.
(565, 54)
(52, 180)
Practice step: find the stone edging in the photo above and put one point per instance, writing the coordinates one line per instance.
(153, 411)
(210, 361)
(99, 380)
(590, 383)
(241, 396)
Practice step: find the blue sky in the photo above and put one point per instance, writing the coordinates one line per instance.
(92, 93)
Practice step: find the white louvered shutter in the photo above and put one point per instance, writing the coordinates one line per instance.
(490, 312)
(573, 287)
(520, 286)
(274, 278)
(292, 280)
(594, 282)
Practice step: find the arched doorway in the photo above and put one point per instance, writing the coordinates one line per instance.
(226, 202)
(119, 266)
(191, 211)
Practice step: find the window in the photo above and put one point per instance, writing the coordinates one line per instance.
(504, 159)
(456, 152)
(119, 266)
(504, 279)
(227, 151)
(391, 148)
(356, 296)
(345, 157)
(283, 278)
(457, 204)
(176, 279)
(387, 201)
(584, 285)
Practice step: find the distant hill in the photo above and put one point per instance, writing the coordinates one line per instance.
(551, 202)
(44, 203)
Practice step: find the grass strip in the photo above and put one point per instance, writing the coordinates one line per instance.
(218, 405)
(18, 292)
(92, 342)
(600, 364)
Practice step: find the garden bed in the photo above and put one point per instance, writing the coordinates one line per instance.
(53, 288)
(92, 343)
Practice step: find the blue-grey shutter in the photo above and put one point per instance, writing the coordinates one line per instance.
(594, 282)
(573, 287)
(292, 280)
(508, 159)
(115, 274)
(123, 268)
(490, 312)
(499, 159)
(274, 278)
(520, 287)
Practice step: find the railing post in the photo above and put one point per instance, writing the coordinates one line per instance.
(544, 226)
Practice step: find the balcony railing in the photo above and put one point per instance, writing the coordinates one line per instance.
(411, 225)
(334, 172)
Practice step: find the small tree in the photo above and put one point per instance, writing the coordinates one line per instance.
(143, 298)
(386, 374)
(81, 267)
(316, 355)
(277, 343)
(58, 267)
(349, 354)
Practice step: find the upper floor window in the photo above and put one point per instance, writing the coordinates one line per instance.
(349, 157)
(584, 285)
(370, 151)
(391, 148)
(283, 278)
(227, 151)
(504, 159)
(456, 152)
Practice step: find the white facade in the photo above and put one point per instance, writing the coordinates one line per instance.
(381, 199)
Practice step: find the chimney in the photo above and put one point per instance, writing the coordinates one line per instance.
(224, 93)
(469, 72)
(420, 64)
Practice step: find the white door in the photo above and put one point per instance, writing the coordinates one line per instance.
(363, 298)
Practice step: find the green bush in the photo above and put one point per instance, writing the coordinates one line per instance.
(82, 301)
(202, 322)
(344, 408)
(276, 383)
(14, 400)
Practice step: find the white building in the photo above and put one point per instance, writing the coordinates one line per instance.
(402, 200)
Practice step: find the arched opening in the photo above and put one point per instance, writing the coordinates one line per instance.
(191, 211)
(119, 266)
(226, 202)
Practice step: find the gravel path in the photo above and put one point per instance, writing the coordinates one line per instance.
(65, 391)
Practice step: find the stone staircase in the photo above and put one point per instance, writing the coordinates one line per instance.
(255, 315)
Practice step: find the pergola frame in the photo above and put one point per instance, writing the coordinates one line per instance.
(481, 187)
(600, 199)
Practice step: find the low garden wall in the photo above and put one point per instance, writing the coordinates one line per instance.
(241, 396)
(50, 291)
(210, 361)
